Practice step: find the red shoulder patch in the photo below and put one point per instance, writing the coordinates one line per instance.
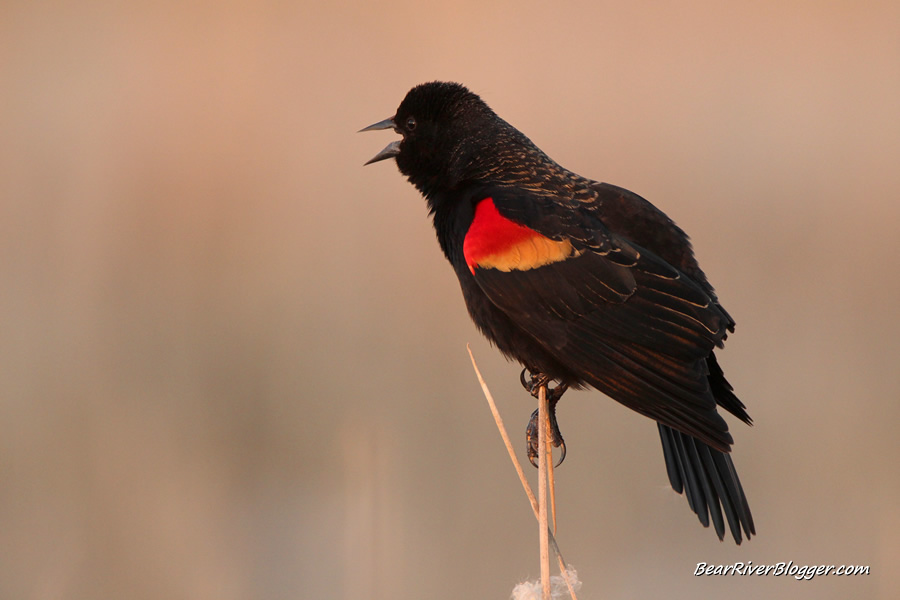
(495, 242)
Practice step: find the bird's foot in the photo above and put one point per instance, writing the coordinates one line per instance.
(533, 384)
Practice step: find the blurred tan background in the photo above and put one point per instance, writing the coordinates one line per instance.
(233, 359)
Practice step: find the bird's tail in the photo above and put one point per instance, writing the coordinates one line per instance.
(709, 481)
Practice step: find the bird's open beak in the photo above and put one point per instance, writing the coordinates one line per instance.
(392, 149)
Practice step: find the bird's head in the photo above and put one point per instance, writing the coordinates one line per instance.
(446, 130)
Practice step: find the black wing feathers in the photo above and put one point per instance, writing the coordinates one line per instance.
(638, 326)
(723, 391)
(632, 326)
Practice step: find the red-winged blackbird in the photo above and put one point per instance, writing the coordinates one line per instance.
(582, 282)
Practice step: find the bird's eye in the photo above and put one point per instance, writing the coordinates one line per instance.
(410, 124)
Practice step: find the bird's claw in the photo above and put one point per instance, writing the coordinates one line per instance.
(532, 438)
(533, 384)
(534, 381)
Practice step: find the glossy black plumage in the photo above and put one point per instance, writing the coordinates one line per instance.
(585, 282)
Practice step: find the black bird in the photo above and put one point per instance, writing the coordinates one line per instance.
(583, 283)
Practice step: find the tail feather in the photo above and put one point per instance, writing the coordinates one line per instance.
(709, 481)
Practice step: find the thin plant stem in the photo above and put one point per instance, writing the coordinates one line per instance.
(551, 482)
(543, 417)
(518, 466)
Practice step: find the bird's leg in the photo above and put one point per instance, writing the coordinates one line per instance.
(533, 384)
